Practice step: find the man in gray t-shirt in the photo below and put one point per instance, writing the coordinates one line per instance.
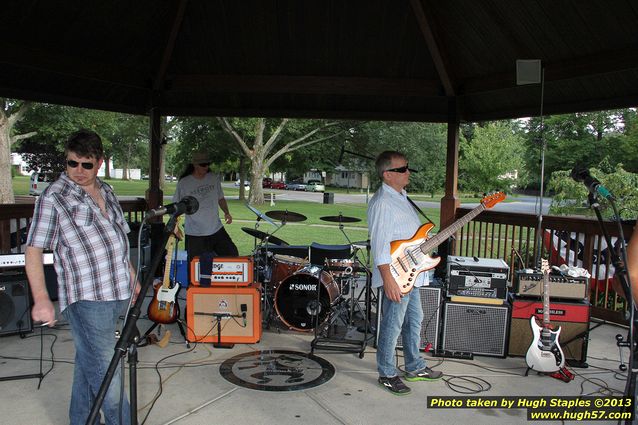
(204, 229)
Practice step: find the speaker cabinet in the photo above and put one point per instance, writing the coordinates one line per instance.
(206, 307)
(476, 328)
(572, 317)
(431, 300)
(15, 314)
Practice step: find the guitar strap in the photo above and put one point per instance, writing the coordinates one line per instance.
(416, 207)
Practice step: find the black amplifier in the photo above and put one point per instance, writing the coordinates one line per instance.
(530, 284)
(477, 277)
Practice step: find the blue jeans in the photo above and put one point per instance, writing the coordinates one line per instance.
(403, 319)
(93, 329)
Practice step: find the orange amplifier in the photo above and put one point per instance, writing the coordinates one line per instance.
(226, 271)
(224, 314)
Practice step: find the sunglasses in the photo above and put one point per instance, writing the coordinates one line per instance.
(402, 169)
(204, 164)
(73, 164)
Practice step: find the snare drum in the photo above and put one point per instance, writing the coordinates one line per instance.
(339, 267)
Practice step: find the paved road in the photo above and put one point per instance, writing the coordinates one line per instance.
(523, 204)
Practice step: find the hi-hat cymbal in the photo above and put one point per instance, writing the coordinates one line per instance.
(340, 219)
(264, 236)
(286, 215)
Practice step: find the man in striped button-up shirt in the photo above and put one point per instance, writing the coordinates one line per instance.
(79, 218)
(391, 217)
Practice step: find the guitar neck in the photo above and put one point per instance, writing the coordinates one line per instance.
(440, 237)
(546, 299)
(170, 247)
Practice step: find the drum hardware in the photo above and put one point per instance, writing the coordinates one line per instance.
(260, 215)
(286, 216)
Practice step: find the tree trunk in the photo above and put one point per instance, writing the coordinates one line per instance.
(6, 187)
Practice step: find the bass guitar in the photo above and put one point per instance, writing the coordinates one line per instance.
(163, 308)
(544, 353)
(411, 256)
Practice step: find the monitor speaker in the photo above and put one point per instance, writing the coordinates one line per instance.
(480, 329)
(15, 314)
(431, 300)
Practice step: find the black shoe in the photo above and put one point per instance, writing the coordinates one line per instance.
(425, 374)
(395, 385)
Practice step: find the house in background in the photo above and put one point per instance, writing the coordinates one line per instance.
(343, 177)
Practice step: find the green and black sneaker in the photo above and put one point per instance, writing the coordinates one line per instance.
(425, 374)
(395, 385)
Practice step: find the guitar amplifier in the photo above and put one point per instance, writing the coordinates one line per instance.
(477, 277)
(560, 286)
(476, 328)
(238, 311)
(226, 271)
(572, 317)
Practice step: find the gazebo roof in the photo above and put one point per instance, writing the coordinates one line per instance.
(355, 59)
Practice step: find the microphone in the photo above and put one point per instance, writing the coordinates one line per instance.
(187, 205)
(244, 309)
(581, 174)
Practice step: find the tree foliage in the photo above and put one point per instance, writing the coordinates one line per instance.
(491, 158)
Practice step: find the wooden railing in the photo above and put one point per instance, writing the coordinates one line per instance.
(578, 240)
(15, 220)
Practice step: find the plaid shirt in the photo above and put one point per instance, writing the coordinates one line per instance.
(90, 251)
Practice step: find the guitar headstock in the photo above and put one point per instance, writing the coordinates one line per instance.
(490, 200)
(545, 266)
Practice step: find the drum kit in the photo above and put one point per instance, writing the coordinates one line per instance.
(309, 288)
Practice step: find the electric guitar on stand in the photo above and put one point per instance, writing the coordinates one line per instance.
(164, 309)
(544, 353)
(410, 256)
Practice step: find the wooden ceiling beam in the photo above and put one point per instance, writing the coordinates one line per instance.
(433, 47)
(284, 84)
(158, 82)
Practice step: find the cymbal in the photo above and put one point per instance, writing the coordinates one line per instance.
(340, 219)
(263, 236)
(286, 215)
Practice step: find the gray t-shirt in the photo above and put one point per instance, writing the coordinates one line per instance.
(208, 191)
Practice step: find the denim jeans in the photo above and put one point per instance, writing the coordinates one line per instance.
(403, 319)
(93, 329)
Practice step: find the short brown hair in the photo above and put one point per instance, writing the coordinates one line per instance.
(384, 160)
(85, 143)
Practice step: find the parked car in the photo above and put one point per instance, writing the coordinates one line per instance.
(170, 178)
(278, 185)
(39, 181)
(246, 184)
(315, 186)
(296, 185)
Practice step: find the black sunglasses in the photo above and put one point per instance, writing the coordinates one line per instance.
(402, 169)
(73, 164)
(204, 164)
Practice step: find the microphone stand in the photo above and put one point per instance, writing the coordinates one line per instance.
(620, 265)
(130, 337)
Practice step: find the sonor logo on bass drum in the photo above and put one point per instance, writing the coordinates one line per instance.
(303, 287)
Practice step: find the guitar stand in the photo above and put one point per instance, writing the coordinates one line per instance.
(144, 338)
(562, 374)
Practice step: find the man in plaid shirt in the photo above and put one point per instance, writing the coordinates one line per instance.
(79, 218)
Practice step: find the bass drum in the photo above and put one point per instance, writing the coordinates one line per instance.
(296, 300)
